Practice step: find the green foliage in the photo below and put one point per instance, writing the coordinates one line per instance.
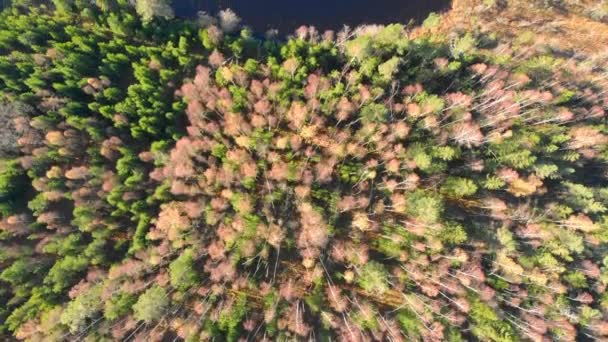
(84, 307)
(453, 234)
(151, 305)
(149, 9)
(367, 48)
(453, 335)
(409, 323)
(540, 67)
(373, 278)
(424, 205)
(445, 153)
(546, 170)
(459, 187)
(65, 245)
(65, 272)
(464, 46)
(493, 183)
(565, 243)
(350, 173)
(432, 21)
(488, 326)
(366, 320)
(374, 112)
(587, 314)
(390, 246)
(582, 198)
(432, 103)
(576, 279)
(20, 271)
(230, 320)
(389, 68)
(119, 305)
(314, 301)
(12, 184)
(38, 204)
(182, 271)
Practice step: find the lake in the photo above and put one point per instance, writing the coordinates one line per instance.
(288, 15)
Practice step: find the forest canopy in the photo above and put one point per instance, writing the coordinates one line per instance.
(163, 178)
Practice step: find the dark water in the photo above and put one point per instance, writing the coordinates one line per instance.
(287, 15)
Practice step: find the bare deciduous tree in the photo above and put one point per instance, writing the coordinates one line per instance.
(9, 132)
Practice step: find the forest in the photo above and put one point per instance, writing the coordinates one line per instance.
(164, 179)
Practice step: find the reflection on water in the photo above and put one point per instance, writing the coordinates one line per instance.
(287, 15)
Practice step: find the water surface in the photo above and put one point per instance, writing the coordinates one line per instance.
(287, 15)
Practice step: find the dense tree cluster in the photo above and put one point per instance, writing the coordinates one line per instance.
(184, 180)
